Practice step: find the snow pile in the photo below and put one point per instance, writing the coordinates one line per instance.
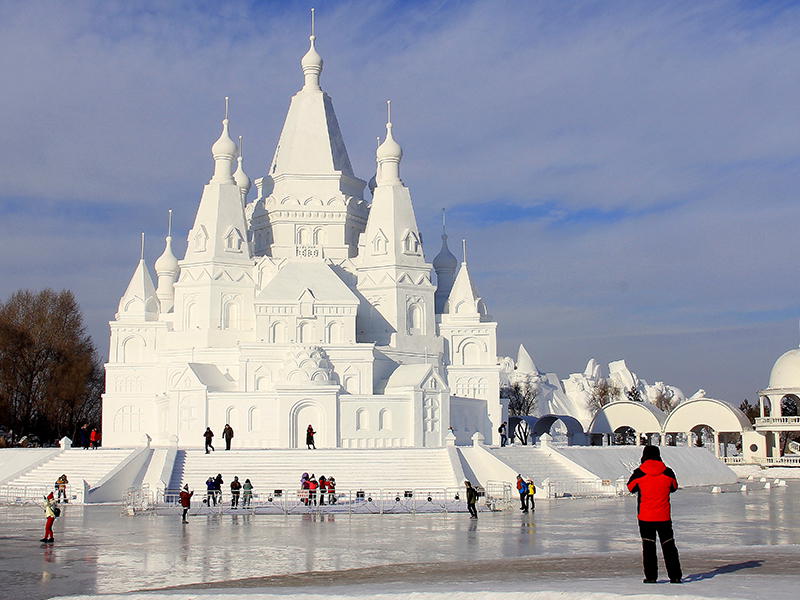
(745, 471)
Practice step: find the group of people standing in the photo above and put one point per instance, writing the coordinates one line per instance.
(526, 489)
(214, 491)
(326, 486)
(88, 438)
(227, 435)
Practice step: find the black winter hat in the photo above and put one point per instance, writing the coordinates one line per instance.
(651, 453)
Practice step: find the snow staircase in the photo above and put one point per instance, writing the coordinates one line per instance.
(77, 464)
(540, 464)
(395, 469)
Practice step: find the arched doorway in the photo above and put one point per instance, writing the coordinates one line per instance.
(305, 413)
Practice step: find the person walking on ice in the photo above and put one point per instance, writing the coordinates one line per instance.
(310, 437)
(653, 481)
(186, 502)
(209, 435)
(472, 499)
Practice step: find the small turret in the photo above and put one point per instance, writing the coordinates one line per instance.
(166, 271)
(445, 265)
(388, 155)
(240, 177)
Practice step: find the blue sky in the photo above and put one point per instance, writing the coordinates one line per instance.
(626, 174)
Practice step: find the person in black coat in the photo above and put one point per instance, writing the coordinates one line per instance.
(472, 499)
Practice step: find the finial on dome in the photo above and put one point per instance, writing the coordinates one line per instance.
(166, 264)
(444, 233)
(239, 176)
(141, 255)
(312, 62)
(464, 250)
(224, 151)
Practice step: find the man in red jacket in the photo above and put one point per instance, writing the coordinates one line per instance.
(654, 482)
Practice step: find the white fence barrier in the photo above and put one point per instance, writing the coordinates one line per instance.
(34, 494)
(495, 496)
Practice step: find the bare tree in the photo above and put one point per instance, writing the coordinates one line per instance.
(634, 395)
(603, 392)
(664, 400)
(522, 401)
(50, 374)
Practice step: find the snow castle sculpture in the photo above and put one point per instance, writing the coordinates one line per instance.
(306, 305)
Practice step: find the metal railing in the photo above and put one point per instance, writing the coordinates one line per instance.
(32, 494)
(583, 488)
(765, 421)
(495, 497)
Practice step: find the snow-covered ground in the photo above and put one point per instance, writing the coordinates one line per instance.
(771, 473)
(733, 545)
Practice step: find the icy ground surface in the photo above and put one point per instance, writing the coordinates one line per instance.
(733, 545)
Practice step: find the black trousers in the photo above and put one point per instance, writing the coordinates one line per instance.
(523, 501)
(648, 531)
(472, 510)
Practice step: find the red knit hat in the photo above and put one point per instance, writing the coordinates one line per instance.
(50, 496)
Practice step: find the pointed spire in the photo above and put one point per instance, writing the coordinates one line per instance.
(239, 176)
(389, 154)
(166, 270)
(139, 301)
(224, 151)
(525, 362)
(312, 63)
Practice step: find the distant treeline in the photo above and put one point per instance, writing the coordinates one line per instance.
(51, 378)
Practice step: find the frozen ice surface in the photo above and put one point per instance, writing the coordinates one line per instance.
(733, 545)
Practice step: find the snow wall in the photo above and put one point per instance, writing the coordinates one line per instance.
(693, 466)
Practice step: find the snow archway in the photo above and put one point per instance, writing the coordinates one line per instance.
(642, 417)
(575, 434)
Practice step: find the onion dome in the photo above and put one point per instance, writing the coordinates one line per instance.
(224, 152)
(312, 66)
(239, 176)
(389, 149)
(445, 260)
(167, 263)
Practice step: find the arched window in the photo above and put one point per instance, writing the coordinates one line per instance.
(278, 333)
(385, 420)
(362, 419)
(230, 415)
(230, 316)
(190, 316)
(133, 350)
(303, 236)
(253, 419)
(128, 419)
(470, 354)
(305, 333)
(415, 320)
(335, 332)
(318, 236)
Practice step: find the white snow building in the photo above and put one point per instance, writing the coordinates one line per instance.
(306, 305)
